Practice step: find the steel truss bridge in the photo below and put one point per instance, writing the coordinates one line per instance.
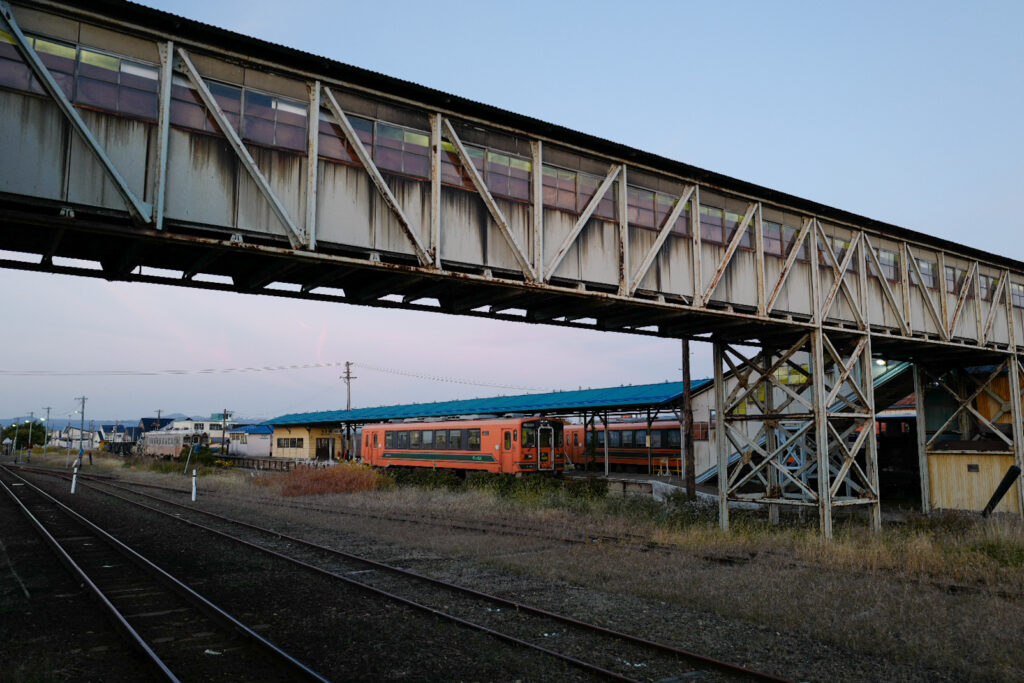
(144, 147)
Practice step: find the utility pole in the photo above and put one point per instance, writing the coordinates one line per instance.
(81, 429)
(31, 420)
(159, 411)
(46, 430)
(224, 431)
(348, 383)
(92, 435)
(691, 465)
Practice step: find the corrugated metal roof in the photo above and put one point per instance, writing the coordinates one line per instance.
(189, 30)
(629, 397)
(253, 429)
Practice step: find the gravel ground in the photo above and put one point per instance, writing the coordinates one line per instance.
(702, 602)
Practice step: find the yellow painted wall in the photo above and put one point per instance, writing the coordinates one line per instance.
(309, 435)
(953, 487)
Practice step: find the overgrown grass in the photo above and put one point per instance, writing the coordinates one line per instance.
(343, 478)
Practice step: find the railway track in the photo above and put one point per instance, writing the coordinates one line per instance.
(595, 649)
(182, 635)
(486, 527)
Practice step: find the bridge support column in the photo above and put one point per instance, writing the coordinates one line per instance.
(796, 426)
(969, 431)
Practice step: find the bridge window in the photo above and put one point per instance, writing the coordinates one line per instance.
(402, 150)
(663, 205)
(117, 84)
(955, 278)
(1017, 294)
(274, 121)
(986, 287)
(90, 78)
(508, 176)
(732, 223)
(188, 110)
(640, 205)
(789, 235)
(928, 272)
(332, 143)
(890, 261)
(772, 235)
(571, 191)
(711, 223)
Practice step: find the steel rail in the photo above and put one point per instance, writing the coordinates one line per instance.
(486, 527)
(126, 629)
(174, 583)
(693, 657)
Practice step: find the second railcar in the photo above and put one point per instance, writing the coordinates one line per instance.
(506, 445)
(169, 443)
(627, 445)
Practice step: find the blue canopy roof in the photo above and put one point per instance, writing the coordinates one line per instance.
(620, 398)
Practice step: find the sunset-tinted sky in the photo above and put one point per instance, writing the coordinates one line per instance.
(904, 112)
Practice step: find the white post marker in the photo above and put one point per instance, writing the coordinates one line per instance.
(74, 479)
(193, 486)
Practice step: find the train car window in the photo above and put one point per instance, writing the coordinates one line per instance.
(529, 436)
(455, 439)
(559, 435)
(441, 439)
(415, 439)
(655, 438)
(428, 438)
(473, 442)
(403, 440)
(674, 439)
(600, 438)
(615, 439)
(627, 438)
(375, 439)
(515, 435)
(389, 439)
(508, 441)
(640, 437)
(588, 438)
(575, 439)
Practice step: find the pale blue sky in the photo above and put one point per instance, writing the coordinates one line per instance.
(906, 112)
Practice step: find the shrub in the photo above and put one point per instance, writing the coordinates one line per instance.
(426, 478)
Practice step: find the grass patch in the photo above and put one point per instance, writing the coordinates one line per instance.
(343, 478)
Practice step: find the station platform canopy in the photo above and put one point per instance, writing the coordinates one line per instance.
(634, 397)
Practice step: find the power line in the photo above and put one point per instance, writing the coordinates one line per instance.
(451, 380)
(152, 373)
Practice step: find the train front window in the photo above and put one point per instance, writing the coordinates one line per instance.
(545, 438)
(530, 435)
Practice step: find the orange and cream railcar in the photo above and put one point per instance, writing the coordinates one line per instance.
(627, 445)
(509, 445)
